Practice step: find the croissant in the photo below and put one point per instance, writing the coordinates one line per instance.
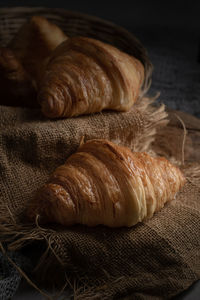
(84, 76)
(34, 42)
(16, 86)
(103, 183)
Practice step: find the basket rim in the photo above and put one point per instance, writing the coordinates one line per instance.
(63, 11)
(60, 10)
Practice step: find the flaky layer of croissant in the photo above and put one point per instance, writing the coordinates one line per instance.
(34, 42)
(103, 183)
(85, 76)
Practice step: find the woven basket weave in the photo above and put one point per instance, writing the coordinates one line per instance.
(76, 24)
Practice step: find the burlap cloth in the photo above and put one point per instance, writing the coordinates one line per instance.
(156, 259)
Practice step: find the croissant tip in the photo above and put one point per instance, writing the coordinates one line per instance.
(37, 20)
(48, 106)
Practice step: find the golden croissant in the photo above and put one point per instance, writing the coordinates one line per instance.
(85, 76)
(34, 42)
(103, 183)
(16, 86)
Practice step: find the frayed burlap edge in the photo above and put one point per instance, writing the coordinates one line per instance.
(157, 117)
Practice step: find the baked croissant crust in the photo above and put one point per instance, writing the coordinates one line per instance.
(85, 76)
(34, 42)
(16, 86)
(103, 183)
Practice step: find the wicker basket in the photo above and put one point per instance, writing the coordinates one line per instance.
(76, 24)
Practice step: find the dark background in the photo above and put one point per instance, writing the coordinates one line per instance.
(179, 14)
(172, 23)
